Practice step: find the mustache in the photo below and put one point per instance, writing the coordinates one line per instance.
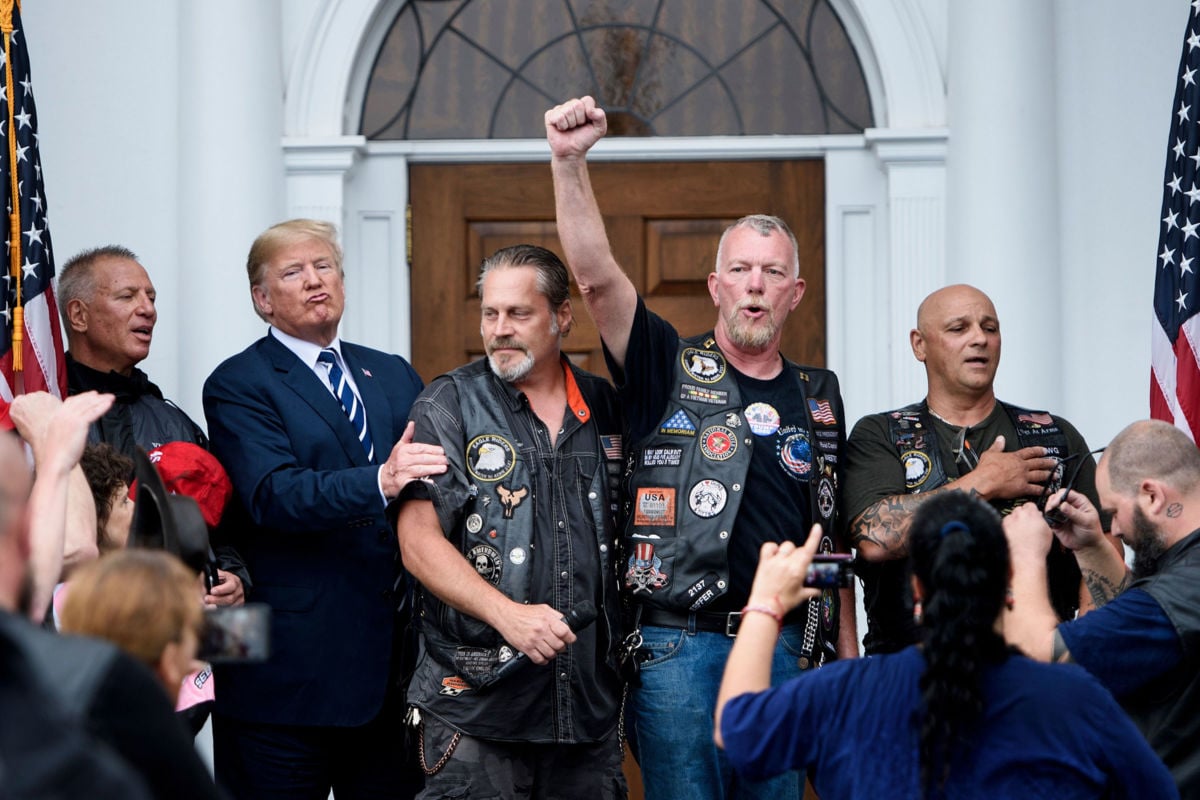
(507, 344)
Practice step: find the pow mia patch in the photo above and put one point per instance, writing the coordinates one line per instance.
(486, 560)
(916, 468)
(707, 498)
(490, 457)
(706, 366)
(825, 499)
(718, 443)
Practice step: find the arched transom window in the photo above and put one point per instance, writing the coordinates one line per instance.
(484, 69)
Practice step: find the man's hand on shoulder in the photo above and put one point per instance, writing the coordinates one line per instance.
(410, 461)
(574, 126)
(1006, 476)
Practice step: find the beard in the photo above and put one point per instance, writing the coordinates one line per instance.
(520, 370)
(514, 371)
(1148, 545)
(751, 334)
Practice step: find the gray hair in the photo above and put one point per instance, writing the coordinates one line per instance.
(553, 280)
(77, 278)
(764, 225)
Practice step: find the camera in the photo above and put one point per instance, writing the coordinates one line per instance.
(236, 634)
(830, 571)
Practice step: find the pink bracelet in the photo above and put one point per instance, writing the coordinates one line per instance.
(765, 609)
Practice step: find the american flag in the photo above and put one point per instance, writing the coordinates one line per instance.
(1175, 339)
(821, 411)
(29, 271)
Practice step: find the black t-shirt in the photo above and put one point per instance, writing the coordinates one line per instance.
(775, 507)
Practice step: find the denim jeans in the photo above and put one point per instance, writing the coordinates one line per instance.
(670, 722)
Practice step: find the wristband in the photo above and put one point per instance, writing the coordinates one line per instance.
(765, 609)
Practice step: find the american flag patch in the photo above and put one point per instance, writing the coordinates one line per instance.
(1036, 418)
(612, 447)
(821, 412)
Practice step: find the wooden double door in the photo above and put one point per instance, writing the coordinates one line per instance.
(664, 221)
(663, 218)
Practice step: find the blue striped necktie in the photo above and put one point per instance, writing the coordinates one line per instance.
(353, 408)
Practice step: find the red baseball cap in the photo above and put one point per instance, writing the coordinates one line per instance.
(189, 469)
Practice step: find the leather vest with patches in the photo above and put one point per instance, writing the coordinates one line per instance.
(687, 478)
(495, 527)
(915, 440)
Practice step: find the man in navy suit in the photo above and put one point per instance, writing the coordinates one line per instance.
(286, 420)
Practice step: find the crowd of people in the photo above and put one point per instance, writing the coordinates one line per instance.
(490, 585)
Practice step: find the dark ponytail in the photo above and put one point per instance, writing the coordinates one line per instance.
(960, 556)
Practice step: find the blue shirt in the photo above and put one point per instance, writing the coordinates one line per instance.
(1046, 731)
(1125, 643)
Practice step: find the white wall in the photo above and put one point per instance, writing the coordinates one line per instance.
(148, 107)
(1116, 71)
(160, 124)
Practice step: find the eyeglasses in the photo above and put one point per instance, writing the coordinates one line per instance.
(1055, 518)
(964, 455)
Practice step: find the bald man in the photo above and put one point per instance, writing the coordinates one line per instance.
(959, 437)
(1143, 643)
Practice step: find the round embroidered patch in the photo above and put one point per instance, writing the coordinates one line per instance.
(718, 443)
(490, 457)
(486, 560)
(916, 468)
(795, 455)
(707, 498)
(706, 366)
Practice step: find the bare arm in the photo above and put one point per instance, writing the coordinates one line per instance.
(61, 507)
(1104, 572)
(880, 532)
(538, 631)
(571, 129)
(779, 586)
(1031, 623)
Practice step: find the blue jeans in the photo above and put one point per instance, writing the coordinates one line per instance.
(670, 720)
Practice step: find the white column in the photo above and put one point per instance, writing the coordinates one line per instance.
(1003, 232)
(914, 162)
(231, 174)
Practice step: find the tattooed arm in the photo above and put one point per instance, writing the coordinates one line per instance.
(880, 532)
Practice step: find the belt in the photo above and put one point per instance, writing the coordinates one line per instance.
(708, 621)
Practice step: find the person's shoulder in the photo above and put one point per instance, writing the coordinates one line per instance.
(1057, 684)
(874, 425)
(248, 359)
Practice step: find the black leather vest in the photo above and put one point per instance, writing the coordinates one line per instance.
(688, 479)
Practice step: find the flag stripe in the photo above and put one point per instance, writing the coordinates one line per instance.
(29, 252)
(1174, 359)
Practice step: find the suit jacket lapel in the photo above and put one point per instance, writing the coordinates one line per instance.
(300, 378)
